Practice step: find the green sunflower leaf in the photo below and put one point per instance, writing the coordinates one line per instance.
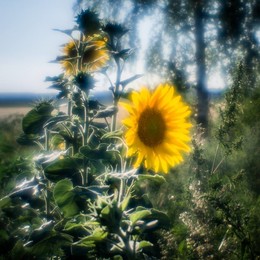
(125, 202)
(51, 245)
(27, 139)
(131, 79)
(55, 120)
(162, 219)
(117, 257)
(4, 202)
(35, 119)
(143, 244)
(97, 235)
(108, 112)
(159, 179)
(93, 154)
(100, 153)
(138, 215)
(114, 134)
(106, 211)
(124, 54)
(65, 197)
(67, 32)
(60, 169)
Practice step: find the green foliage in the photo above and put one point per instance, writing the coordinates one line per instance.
(13, 164)
(227, 133)
(221, 215)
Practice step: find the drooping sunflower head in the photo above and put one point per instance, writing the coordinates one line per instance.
(69, 60)
(115, 30)
(93, 56)
(157, 128)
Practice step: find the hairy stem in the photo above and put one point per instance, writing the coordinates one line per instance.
(116, 93)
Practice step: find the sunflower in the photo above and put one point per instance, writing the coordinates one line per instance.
(94, 56)
(158, 129)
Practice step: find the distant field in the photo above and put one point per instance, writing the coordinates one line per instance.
(21, 103)
(7, 111)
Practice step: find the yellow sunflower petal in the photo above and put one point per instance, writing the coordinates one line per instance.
(129, 122)
(139, 160)
(164, 164)
(126, 106)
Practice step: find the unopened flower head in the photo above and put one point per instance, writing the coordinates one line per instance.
(88, 22)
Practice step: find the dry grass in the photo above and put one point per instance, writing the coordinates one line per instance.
(8, 111)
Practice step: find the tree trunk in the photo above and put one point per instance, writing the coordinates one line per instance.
(202, 92)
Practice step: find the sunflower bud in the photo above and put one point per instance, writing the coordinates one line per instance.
(88, 22)
(84, 81)
(115, 30)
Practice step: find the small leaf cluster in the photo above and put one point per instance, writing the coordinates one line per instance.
(228, 128)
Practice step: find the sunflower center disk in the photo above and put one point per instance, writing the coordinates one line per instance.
(151, 127)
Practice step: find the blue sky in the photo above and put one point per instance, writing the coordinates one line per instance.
(28, 42)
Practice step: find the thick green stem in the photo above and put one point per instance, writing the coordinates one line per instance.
(85, 173)
(47, 193)
(121, 192)
(69, 107)
(47, 201)
(116, 94)
(46, 145)
(129, 249)
(86, 135)
(86, 118)
(114, 119)
(80, 52)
